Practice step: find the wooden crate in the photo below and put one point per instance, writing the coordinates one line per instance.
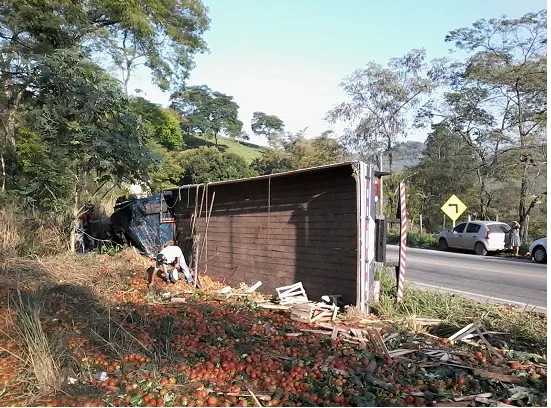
(313, 312)
(292, 294)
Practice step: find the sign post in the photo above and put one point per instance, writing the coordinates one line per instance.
(453, 208)
(400, 279)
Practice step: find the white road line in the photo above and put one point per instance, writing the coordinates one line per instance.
(526, 305)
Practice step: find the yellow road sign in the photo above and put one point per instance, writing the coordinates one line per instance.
(454, 207)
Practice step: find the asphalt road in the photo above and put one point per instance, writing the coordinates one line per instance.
(486, 278)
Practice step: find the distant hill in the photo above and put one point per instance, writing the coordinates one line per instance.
(248, 151)
(406, 154)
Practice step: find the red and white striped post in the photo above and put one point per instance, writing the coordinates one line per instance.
(403, 244)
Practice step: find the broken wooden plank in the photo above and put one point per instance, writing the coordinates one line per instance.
(490, 347)
(178, 300)
(496, 376)
(273, 306)
(468, 329)
(472, 397)
(454, 404)
(254, 287)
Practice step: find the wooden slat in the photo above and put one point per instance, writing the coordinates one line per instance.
(284, 242)
(289, 251)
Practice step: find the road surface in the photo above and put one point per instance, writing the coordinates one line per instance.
(486, 278)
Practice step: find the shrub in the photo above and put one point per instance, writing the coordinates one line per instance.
(415, 240)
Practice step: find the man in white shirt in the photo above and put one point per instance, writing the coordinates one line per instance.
(171, 255)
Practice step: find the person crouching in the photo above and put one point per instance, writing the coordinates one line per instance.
(171, 255)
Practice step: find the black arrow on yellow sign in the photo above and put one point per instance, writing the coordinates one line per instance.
(456, 207)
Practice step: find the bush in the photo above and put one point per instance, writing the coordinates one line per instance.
(208, 164)
(415, 240)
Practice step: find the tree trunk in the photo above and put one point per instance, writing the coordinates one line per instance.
(76, 211)
(3, 172)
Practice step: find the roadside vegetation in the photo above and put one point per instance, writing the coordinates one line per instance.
(520, 328)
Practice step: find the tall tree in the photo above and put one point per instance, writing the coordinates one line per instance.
(163, 35)
(166, 32)
(380, 99)
(498, 102)
(268, 126)
(81, 114)
(162, 125)
(447, 167)
(207, 112)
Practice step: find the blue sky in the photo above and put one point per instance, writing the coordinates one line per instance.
(287, 57)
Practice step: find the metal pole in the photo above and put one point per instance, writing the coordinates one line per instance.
(421, 222)
(453, 224)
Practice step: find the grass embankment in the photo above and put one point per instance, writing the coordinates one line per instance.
(521, 329)
(248, 151)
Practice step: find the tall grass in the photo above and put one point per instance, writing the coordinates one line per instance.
(23, 234)
(41, 366)
(456, 311)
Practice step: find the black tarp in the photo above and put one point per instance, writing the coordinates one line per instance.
(141, 222)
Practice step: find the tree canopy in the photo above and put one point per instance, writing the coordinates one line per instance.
(207, 112)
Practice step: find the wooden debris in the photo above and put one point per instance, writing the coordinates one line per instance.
(468, 329)
(472, 397)
(257, 402)
(497, 376)
(254, 287)
(273, 306)
(178, 300)
(490, 347)
(261, 397)
(454, 404)
(313, 312)
(292, 294)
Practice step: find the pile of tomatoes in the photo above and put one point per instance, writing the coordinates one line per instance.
(211, 353)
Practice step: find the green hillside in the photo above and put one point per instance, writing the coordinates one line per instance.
(248, 151)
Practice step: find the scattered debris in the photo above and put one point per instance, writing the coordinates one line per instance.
(313, 312)
(292, 294)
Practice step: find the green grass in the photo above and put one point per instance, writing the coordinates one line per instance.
(524, 330)
(248, 151)
(415, 240)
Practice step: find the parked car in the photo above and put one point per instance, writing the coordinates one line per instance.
(478, 236)
(538, 250)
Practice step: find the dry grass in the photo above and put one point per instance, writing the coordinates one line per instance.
(25, 234)
(41, 368)
(524, 329)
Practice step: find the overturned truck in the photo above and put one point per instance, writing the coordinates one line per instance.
(315, 226)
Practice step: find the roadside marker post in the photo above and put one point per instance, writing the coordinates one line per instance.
(402, 214)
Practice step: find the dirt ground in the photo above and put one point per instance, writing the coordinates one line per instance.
(86, 331)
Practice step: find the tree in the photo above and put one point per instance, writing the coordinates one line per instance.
(497, 102)
(163, 125)
(273, 161)
(163, 35)
(297, 152)
(81, 114)
(166, 32)
(268, 126)
(447, 167)
(380, 99)
(169, 173)
(207, 164)
(207, 112)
